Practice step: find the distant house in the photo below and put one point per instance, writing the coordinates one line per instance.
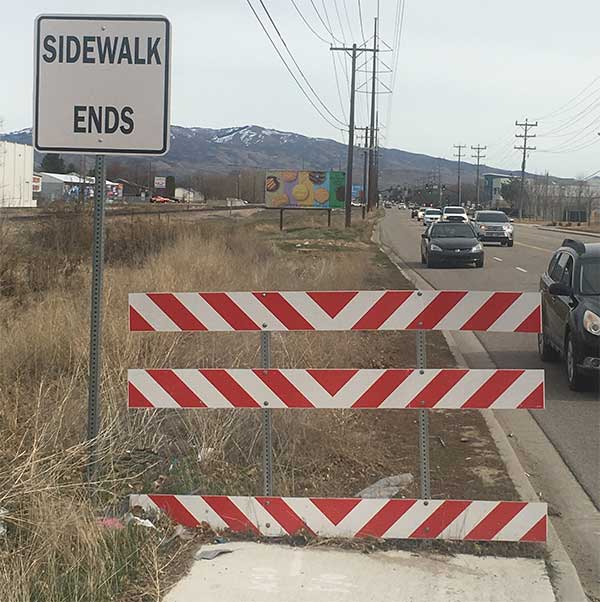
(492, 188)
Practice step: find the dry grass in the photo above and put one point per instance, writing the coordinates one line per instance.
(54, 550)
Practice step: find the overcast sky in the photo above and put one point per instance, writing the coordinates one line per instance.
(466, 71)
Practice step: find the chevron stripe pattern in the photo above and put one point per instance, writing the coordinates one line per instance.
(355, 517)
(338, 310)
(355, 389)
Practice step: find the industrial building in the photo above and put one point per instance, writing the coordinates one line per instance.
(16, 175)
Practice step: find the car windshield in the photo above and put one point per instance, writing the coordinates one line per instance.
(590, 276)
(492, 217)
(432, 212)
(454, 210)
(452, 231)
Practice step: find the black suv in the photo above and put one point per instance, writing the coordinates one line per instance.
(571, 310)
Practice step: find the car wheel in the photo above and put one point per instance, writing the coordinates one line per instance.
(510, 243)
(430, 262)
(546, 351)
(575, 378)
(423, 260)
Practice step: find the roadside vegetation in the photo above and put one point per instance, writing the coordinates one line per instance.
(58, 545)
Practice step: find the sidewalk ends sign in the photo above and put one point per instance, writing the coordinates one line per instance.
(102, 84)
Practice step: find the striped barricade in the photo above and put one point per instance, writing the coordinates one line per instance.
(334, 311)
(355, 517)
(342, 388)
(352, 389)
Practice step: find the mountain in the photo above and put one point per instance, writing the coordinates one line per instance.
(207, 150)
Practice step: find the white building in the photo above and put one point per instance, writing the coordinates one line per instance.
(16, 175)
(188, 195)
(71, 187)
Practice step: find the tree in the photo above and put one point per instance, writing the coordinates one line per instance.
(511, 193)
(53, 163)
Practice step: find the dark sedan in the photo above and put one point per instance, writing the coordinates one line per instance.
(451, 243)
(570, 290)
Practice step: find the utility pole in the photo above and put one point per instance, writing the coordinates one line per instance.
(354, 51)
(376, 162)
(478, 156)
(439, 181)
(372, 183)
(459, 155)
(365, 169)
(526, 135)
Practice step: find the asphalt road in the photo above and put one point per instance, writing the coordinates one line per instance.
(571, 420)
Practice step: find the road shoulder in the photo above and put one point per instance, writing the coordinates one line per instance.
(563, 574)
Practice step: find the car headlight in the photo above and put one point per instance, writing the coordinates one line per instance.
(435, 248)
(478, 247)
(482, 227)
(591, 322)
(508, 228)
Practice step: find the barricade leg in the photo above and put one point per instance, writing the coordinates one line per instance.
(267, 422)
(423, 425)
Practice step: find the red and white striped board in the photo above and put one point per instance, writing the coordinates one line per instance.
(355, 389)
(338, 310)
(355, 517)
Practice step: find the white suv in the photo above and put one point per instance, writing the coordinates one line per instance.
(431, 216)
(455, 214)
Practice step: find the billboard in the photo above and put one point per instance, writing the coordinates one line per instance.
(160, 182)
(304, 189)
(357, 193)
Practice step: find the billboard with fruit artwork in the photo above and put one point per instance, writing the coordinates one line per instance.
(304, 189)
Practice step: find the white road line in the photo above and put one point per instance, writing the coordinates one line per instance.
(498, 259)
(521, 269)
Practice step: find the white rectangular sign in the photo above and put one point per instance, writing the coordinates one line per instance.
(102, 84)
(160, 182)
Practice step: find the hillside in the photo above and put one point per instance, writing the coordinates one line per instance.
(196, 149)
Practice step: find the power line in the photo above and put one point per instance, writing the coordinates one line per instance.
(288, 67)
(575, 119)
(307, 23)
(298, 66)
(562, 108)
(328, 28)
(362, 31)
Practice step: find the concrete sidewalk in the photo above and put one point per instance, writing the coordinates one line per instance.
(255, 572)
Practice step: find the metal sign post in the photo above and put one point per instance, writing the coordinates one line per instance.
(96, 316)
(267, 419)
(423, 424)
(92, 78)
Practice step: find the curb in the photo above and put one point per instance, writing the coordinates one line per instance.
(592, 234)
(565, 580)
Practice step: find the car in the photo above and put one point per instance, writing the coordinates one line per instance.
(431, 215)
(401, 205)
(494, 226)
(387, 205)
(414, 212)
(447, 242)
(421, 213)
(161, 199)
(570, 290)
(454, 214)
